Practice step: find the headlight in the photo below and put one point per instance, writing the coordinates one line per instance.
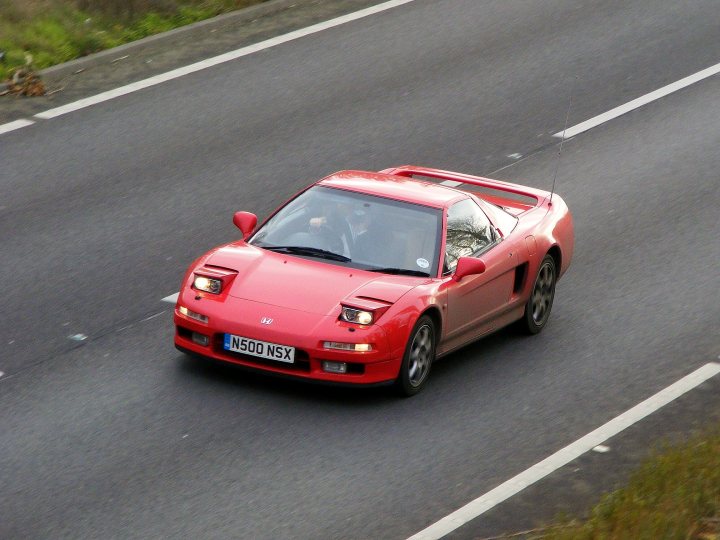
(207, 284)
(357, 316)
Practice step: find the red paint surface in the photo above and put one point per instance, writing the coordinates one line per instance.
(304, 297)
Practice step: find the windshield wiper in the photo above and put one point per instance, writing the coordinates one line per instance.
(311, 251)
(405, 271)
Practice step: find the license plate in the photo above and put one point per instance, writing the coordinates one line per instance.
(263, 349)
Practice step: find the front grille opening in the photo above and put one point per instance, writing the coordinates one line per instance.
(184, 332)
(355, 369)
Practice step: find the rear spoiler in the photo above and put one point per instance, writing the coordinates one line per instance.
(538, 196)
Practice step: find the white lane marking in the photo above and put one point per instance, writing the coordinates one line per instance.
(639, 102)
(226, 57)
(172, 299)
(564, 456)
(17, 124)
(451, 183)
(152, 316)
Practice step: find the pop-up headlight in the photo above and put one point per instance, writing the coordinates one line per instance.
(213, 279)
(357, 316)
(207, 284)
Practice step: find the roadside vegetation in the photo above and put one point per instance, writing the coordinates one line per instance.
(42, 33)
(674, 495)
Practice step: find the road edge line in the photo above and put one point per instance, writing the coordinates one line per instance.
(562, 457)
(15, 124)
(219, 59)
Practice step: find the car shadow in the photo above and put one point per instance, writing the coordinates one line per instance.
(229, 375)
(478, 358)
(487, 350)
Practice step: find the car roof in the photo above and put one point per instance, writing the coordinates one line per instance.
(394, 187)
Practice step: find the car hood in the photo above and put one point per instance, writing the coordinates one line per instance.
(306, 285)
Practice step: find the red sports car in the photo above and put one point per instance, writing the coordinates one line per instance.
(366, 278)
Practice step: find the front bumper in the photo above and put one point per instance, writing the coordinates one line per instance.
(307, 332)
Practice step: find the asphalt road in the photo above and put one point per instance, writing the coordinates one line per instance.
(101, 210)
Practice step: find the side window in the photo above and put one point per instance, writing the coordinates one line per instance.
(468, 232)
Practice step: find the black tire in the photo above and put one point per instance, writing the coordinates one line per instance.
(537, 309)
(418, 358)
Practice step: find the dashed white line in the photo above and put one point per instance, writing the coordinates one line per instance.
(151, 317)
(17, 124)
(639, 102)
(564, 456)
(226, 57)
(172, 299)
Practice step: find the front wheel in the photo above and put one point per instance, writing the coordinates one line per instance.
(418, 358)
(537, 309)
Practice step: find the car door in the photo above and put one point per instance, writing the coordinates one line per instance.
(476, 301)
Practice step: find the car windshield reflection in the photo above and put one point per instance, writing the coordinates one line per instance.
(356, 230)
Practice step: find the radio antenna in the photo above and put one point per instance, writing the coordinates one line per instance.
(562, 141)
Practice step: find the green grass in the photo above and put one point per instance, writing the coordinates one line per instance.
(674, 495)
(55, 31)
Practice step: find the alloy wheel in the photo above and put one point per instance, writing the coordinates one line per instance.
(421, 352)
(543, 292)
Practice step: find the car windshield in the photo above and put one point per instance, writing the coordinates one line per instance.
(356, 230)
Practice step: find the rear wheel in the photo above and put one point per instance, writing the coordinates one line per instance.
(537, 309)
(418, 358)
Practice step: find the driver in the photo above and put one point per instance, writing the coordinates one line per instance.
(335, 219)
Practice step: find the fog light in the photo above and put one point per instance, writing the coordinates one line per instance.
(200, 339)
(334, 367)
(193, 315)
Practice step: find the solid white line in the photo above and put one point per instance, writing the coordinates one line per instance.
(226, 57)
(17, 124)
(172, 299)
(562, 457)
(639, 102)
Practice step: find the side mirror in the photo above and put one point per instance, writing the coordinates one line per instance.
(468, 266)
(245, 221)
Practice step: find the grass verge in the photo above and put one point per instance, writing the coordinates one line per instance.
(49, 32)
(674, 495)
